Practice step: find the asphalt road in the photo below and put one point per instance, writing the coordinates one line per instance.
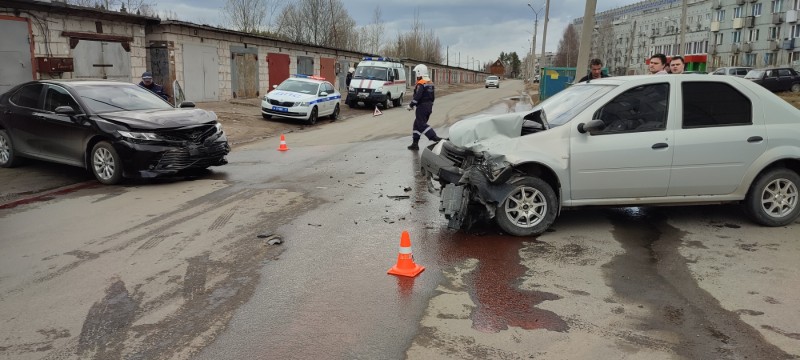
(183, 268)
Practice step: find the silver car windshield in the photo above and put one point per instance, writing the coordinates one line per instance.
(109, 98)
(754, 74)
(563, 106)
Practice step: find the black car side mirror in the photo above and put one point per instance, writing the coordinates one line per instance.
(65, 110)
(591, 127)
(187, 104)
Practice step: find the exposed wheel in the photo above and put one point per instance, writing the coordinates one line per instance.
(335, 114)
(487, 86)
(796, 88)
(7, 157)
(312, 118)
(773, 198)
(352, 103)
(385, 102)
(529, 209)
(265, 116)
(399, 101)
(105, 163)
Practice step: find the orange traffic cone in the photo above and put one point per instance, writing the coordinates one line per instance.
(283, 146)
(405, 261)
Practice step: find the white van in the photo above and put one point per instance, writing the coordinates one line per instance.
(377, 80)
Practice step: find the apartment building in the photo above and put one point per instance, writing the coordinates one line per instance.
(715, 33)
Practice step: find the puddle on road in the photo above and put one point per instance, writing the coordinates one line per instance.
(494, 284)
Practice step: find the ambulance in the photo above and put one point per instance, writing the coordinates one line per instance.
(377, 80)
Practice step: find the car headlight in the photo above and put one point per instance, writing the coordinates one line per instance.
(351, 89)
(218, 126)
(380, 89)
(302, 103)
(141, 136)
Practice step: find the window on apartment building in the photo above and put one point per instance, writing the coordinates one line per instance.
(734, 60)
(757, 9)
(777, 6)
(708, 16)
(753, 35)
(737, 36)
(774, 32)
(795, 31)
(720, 15)
(737, 12)
(769, 59)
(718, 39)
(749, 60)
(794, 57)
(796, 5)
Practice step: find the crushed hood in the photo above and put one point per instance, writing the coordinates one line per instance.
(480, 132)
(161, 119)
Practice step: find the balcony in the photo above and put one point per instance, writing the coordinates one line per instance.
(788, 44)
(714, 26)
(747, 47)
(777, 18)
(734, 48)
(739, 2)
(716, 4)
(791, 16)
(738, 23)
(774, 45)
(750, 21)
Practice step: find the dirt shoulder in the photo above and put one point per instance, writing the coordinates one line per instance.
(242, 121)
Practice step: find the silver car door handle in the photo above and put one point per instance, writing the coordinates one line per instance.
(755, 139)
(660, 145)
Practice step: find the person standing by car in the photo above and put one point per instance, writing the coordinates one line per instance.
(676, 65)
(148, 83)
(424, 95)
(658, 64)
(349, 77)
(596, 71)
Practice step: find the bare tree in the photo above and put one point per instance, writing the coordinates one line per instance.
(250, 16)
(374, 32)
(567, 53)
(318, 22)
(84, 3)
(417, 44)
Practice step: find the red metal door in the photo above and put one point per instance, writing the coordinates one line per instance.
(277, 68)
(326, 69)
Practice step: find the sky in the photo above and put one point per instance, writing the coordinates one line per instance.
(471, 32)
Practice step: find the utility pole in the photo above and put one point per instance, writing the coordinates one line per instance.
(683, 29)
(586, 39)
(628, 56)
(544, 33)
(533, 43)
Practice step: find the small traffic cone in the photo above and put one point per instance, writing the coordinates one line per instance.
(405, 261)
(283, 146)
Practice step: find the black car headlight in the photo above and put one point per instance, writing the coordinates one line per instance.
(140, 136)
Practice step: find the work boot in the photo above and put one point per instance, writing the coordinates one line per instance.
(436, 139)
(414, 145)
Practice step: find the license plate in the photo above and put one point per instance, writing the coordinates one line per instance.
(363, 95)
(281, 109)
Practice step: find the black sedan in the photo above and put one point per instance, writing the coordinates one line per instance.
(115, 129)
(776, 79)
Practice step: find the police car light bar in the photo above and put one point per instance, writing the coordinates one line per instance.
(308, 76)
(370, 58)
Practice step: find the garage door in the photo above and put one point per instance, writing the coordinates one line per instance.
(200, 72)
(15, 53)
(102, 60)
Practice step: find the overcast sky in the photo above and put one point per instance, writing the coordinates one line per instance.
(472, 29)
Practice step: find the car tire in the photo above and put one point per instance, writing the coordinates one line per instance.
(335, 113)
(795, 88)
(265, 116)
(312, 118)
(385, 102)
(7, 156)
(773, 199)
(487, 86)
(529, 209)
(352, 104)
(398, 102)
(105, 163)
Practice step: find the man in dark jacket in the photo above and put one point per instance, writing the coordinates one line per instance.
(424, 96)
(147, 83)
(596, 71)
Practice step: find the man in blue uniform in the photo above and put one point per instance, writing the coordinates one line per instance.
(147, 83)
(423, 101)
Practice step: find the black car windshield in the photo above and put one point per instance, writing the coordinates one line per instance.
(563, 106)
(371, 72)
(303, 87)
(103, 98)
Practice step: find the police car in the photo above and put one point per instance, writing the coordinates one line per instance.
(302, 97)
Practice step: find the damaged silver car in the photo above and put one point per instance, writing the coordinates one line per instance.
(623, 141)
